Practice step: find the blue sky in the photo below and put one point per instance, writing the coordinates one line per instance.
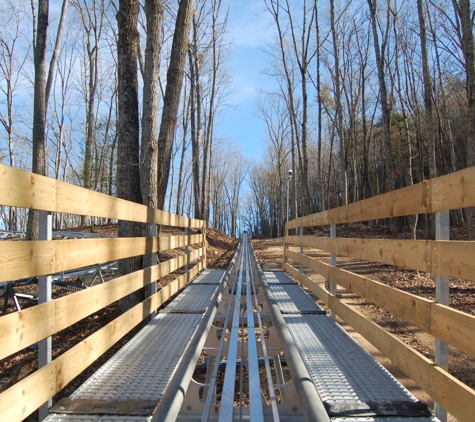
(250, 28)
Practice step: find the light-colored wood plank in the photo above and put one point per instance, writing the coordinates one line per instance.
(450, 258)
(35, 258)
(27, 190)
(453, 327)
(452, 191)
(173, 242)
(447, 324)
(456, 190)
(24, 328)
(411, 308)
(23, 398)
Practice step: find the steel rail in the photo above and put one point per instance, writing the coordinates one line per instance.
(227, 396)
(270, 383)
(214, 377)
(256, 410)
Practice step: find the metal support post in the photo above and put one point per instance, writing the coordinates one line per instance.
(332, 285)
(442, 232)
(44, 295)
(187, 230)
(286, 246)
(153, 286)
(203, 245)
(301, 248)
(286, 231)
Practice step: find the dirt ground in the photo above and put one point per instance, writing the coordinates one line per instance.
(462, 297)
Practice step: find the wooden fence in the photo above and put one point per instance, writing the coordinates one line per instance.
(443, 257)
(44, 257)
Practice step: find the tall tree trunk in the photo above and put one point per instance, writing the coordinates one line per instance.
(172, 95)
(338, 105)
(184, 147)
(380, 50)
(128, 175)
(39, 108)
(429, 120)
(469, 53)
(320, 111)
(148, 144)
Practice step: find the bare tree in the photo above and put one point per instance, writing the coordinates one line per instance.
(380, 53)
(463, 9)
(42, 90)
(128, 176)
(172, 95)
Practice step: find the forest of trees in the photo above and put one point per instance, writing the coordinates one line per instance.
(123, 97)
(370, 96)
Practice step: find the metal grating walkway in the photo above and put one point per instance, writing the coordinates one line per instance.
(353, 386)
(289, 296)
(130, 385)
(195, 298)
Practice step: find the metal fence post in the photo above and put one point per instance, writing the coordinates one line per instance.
(154, 287)
(186, 252)
(442, 232)
(332, 285)
(44, 295)
(203, 245)
(301, 248)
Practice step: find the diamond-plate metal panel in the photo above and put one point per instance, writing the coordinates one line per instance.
(292, 299)
(143, 368)
(210, 277)
(193, 298)
(278, 277)
(340, 368)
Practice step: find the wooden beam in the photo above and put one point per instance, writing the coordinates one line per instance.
(173, 242)
(34, 258)
(447, 324)
(28, 190)
(24, 328)
(456, 190)
(450, 258)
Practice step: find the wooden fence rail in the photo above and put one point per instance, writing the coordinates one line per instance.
(446, 258)
(24, 259)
